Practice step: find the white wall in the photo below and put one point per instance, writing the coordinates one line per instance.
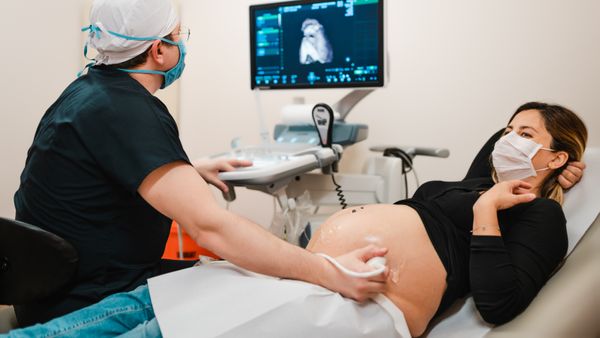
(458, 71)
(39, 57)
(42, 51)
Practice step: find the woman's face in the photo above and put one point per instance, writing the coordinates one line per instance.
(530, 124)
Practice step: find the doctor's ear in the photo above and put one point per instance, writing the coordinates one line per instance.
(560, 159)
(156, 52)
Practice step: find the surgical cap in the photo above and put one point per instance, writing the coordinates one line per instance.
(135, 18)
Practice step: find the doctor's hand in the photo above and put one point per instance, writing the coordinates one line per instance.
(359, 289)
(571, 174)
(209, 169)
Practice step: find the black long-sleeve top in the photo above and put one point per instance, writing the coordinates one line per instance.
(536, 250)
(503, 273)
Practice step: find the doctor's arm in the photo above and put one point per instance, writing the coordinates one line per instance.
(179, 192)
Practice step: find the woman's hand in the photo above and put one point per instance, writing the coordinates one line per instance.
(359, 289)
(501, 196)
(571, 174)
(209, 169)
(506, 194)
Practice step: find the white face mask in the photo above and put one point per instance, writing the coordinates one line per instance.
(512, 157)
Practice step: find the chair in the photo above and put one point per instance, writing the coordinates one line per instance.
(34, 263)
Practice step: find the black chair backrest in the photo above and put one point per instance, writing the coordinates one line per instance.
(481, 166)
(34, 263)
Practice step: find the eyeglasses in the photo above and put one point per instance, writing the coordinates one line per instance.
(183, 33)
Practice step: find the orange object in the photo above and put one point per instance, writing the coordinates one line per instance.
(189, 249)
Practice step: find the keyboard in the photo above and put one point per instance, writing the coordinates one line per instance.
(273, 162)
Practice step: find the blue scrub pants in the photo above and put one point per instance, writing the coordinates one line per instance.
(127, 314)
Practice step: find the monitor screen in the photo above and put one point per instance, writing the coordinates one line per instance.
(317, 44)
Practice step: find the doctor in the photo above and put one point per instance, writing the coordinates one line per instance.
(107, 172)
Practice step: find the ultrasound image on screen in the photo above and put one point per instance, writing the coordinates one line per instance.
(317, 44)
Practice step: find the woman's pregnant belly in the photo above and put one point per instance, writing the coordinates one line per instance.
(417, 278)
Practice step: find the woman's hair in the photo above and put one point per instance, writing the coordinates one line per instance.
(569, 134)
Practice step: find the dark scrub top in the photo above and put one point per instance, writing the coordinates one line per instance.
(91, 151)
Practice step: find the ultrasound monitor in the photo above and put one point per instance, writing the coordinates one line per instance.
(317, 44)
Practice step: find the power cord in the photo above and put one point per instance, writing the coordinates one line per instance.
(407, 165)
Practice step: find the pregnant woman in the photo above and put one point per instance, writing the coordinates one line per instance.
(498, 238)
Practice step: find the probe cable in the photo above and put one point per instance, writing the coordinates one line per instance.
(376, 262)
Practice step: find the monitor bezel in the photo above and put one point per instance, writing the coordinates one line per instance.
(381, 58)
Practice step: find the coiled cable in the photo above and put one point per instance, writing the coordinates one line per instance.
(340, 193)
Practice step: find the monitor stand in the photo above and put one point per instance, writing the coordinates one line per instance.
(344, 134)
(345, 105)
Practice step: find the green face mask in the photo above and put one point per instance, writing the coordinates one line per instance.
(169, 76)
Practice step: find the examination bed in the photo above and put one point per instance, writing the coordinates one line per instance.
(193, 302)
(567, 305)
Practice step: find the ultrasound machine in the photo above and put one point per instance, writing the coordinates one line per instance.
(319, 44)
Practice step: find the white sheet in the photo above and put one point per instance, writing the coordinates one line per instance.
(222, 300)
(203, 302)
(581, 208)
